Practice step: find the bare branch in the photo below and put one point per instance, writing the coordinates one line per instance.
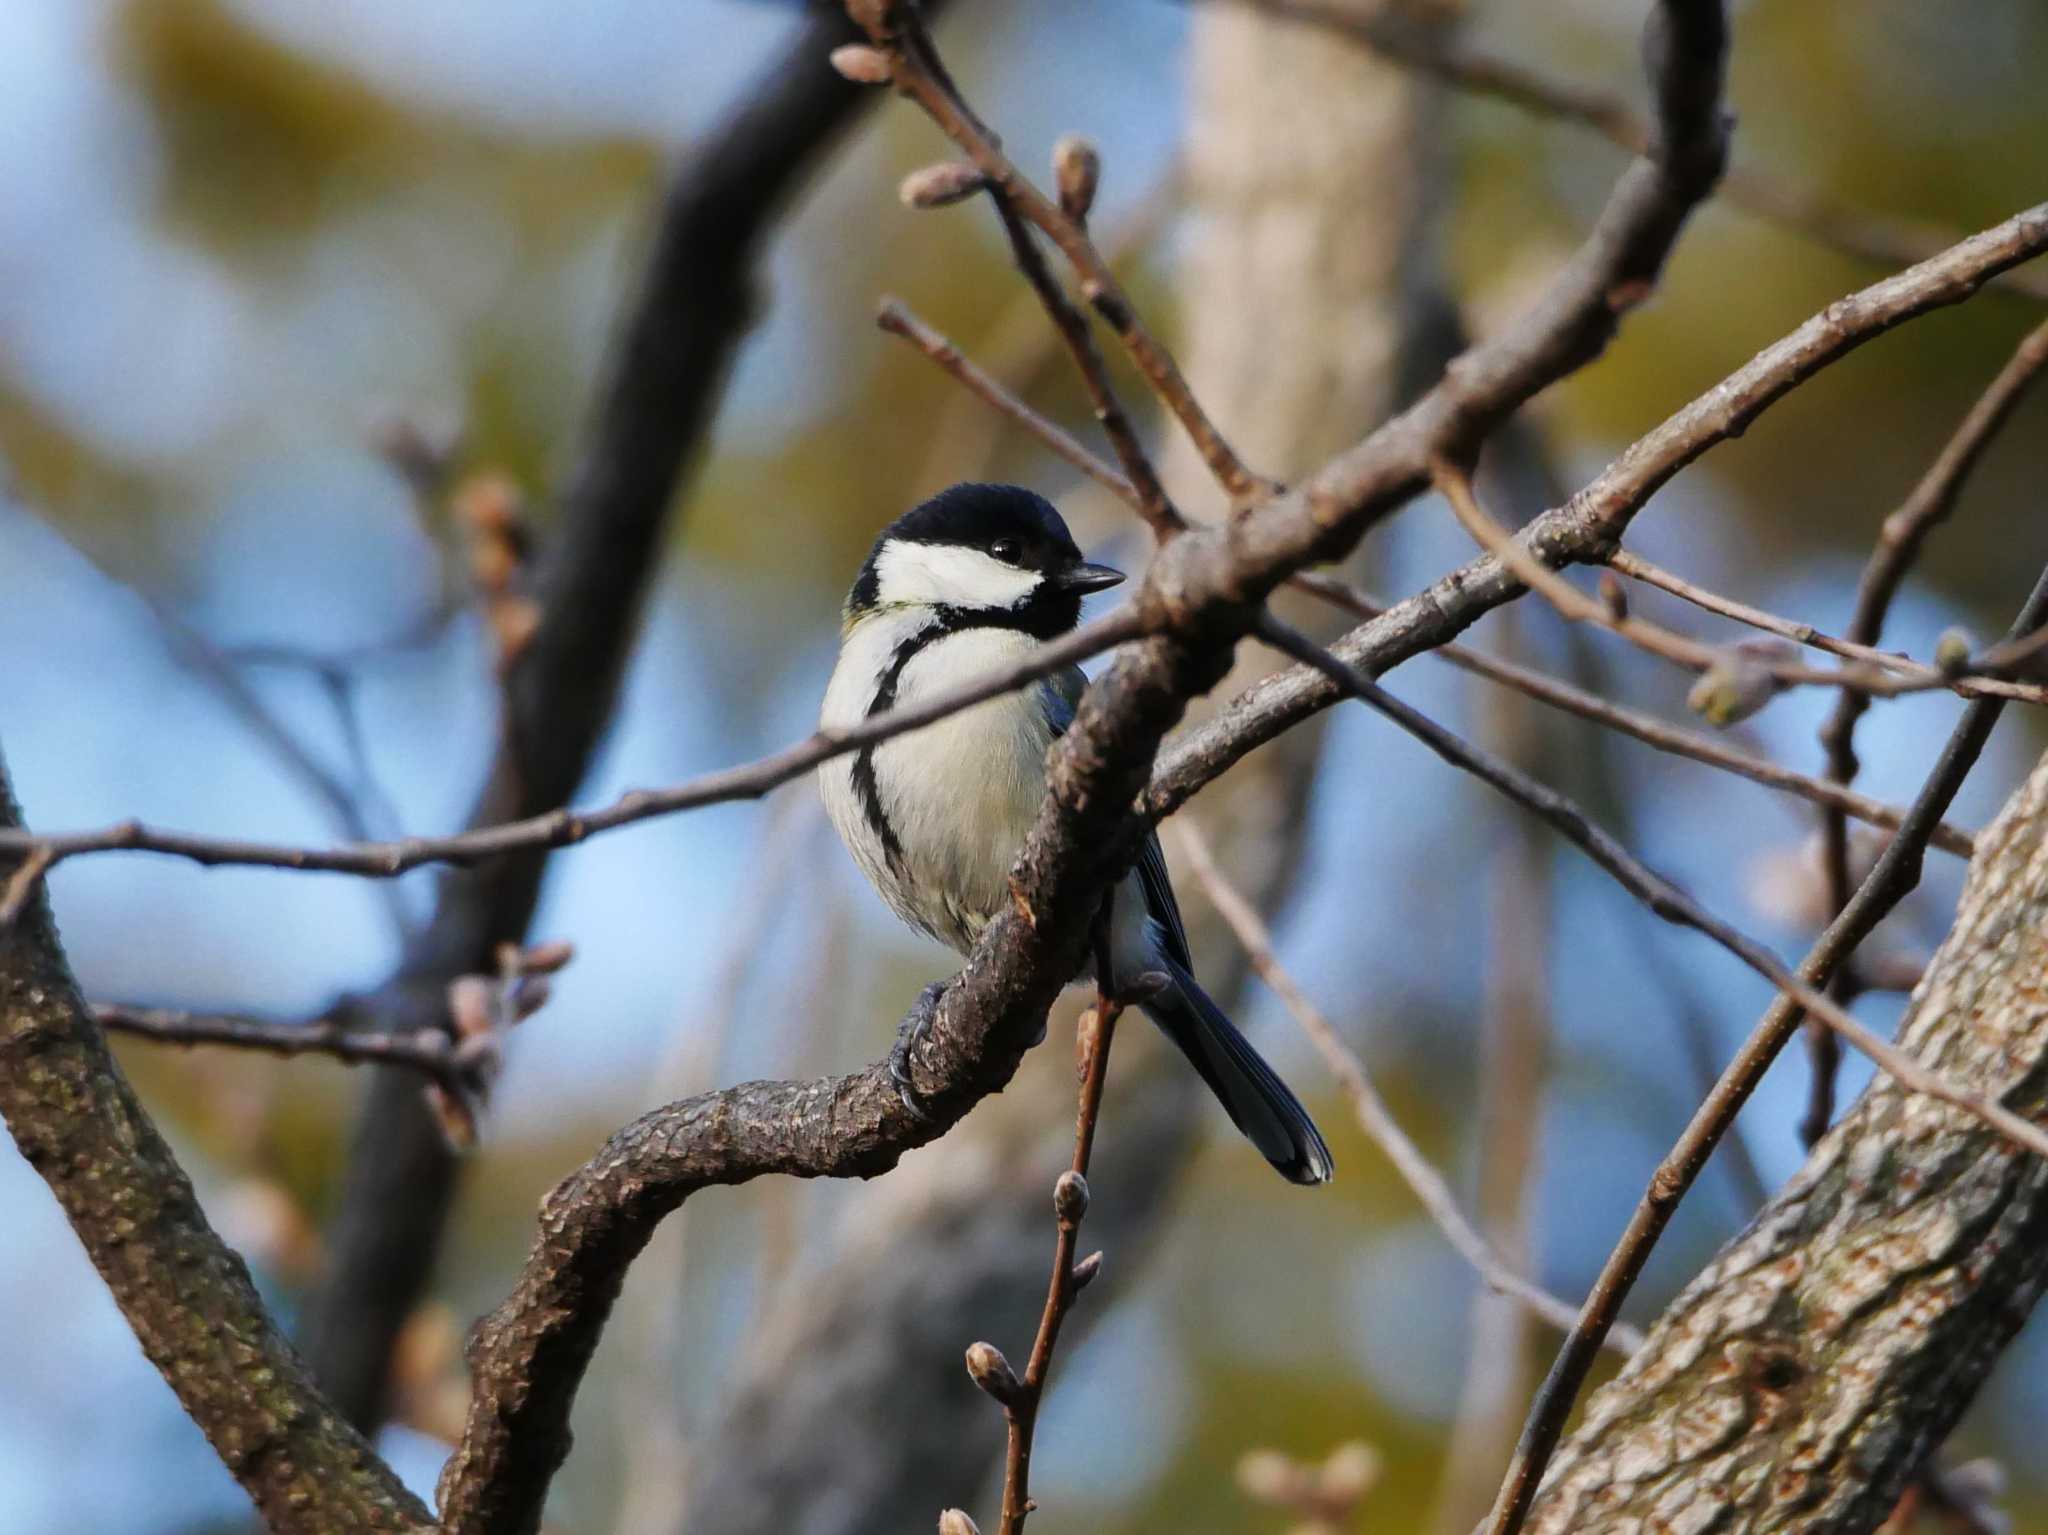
(1374, 1117)
(1972, 681)
(564, 828)
(916, 73)
(1070, 1273)
(429, 1051)
(1586, 528)
(1456, 486)
(898, 320)
(1903, 533)
(1656, 892)
(1881, 239)
(1646, 728)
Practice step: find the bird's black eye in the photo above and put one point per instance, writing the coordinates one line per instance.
(1008, 550)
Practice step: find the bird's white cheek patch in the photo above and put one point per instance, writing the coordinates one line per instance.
(950, 574)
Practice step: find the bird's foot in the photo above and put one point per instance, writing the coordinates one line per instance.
(909, 1035)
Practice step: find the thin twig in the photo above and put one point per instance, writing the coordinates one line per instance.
(916, 73)
(1648, 729)
(562, 828)
(1899, 542)
(1891, 879)
(1021, 1398)
(1880, 239)
(1153, 504)
(1374, 1117)
(897, 319)
(1456, 486)
(1656, 892)
(1973, 683)
(426, 1050)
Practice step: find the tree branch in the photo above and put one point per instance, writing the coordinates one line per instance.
(1587, 527)
(185, 1293)
(664, 374)
(1370, 1109)
(1900, 538)
(1880, 239)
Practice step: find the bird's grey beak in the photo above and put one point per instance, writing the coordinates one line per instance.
(1083, 577)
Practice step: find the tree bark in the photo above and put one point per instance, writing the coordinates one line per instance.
(1807, 1373)
(184, 1291)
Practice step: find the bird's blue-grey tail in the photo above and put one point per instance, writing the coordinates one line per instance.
(1258, 1102)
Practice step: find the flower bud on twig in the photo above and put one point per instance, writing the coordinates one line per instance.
(861, 64)
(1953, 650)
(1070, 1198)
(1085, 1271)
(992, 1372)
(1076, 171)
(950, 181)
(954, 1521)
(1731, 690)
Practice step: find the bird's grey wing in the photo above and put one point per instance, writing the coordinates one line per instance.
(1063, 691)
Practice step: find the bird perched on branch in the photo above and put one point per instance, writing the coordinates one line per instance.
(970, 581)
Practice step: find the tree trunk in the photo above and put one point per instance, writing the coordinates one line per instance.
(1807, 1373)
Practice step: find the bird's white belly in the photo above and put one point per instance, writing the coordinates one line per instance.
(958, 796)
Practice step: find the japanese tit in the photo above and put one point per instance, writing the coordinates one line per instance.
(970, 581)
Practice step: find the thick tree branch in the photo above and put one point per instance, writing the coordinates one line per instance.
(186, 1294)
(664, 376)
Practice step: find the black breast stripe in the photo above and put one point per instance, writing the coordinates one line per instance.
(864, 784)
(945, 621)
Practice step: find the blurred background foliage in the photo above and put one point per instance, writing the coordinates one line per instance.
(240, 237)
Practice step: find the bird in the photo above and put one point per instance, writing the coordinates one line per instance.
(974, 579)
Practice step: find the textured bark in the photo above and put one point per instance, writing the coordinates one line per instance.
(1305, 182)
(184, 1291)
(666, 375)
(1806, 1374)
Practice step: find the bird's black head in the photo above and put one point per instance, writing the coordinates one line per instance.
(981, 555)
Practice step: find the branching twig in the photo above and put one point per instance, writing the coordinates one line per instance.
(1878, 238)
(897, 319)
(1976, 680)
(1374, 1117)
(1892, 680)
(1898, 546)
(429, 1051)
(1656, 892)
(1646, 728)
(1020, 1398)
(915, 72)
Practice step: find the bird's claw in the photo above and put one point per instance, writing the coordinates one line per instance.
(916, 1024)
